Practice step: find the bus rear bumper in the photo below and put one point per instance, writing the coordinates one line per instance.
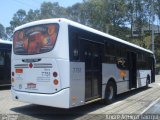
(59, 99)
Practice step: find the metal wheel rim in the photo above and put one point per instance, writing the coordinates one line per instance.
(111, 92)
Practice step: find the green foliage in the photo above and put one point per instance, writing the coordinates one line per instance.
(157, 50)
(121, 32)
(51, 10)
(116, 17)
(18, 18)
(98, 14)
(75, 12)
(157, 8)
(32, 15)
(2, 32)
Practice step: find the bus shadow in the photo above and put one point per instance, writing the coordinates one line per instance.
(131, 93)
(8, 87)
(50, 113)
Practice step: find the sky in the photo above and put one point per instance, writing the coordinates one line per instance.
(9, 7)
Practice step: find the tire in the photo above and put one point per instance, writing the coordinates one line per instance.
(147, 81)
(110, 93)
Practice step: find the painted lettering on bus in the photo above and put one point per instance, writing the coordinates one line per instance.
(45, 74)
(77, 70)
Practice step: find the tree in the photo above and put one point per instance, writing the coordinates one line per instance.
(130, 14)
(2, 32)
(98, 14)
(139, 19)
(32, 15)
(118, 17)
(157, 8)
(106, 15)
(118, 10)
(9, 33)
(149, 5)
(74, 12)
(157, 50)
(77, 13)
(18, 19)
(51, 10)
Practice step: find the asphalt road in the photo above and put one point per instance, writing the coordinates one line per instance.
(136, 103)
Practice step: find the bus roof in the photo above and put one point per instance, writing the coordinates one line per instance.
(78, 25)
(5, 41)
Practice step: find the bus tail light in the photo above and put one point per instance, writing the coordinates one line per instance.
(19, 70)
(55, 74)
(55, 82)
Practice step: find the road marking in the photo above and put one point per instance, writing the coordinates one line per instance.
(153, 103)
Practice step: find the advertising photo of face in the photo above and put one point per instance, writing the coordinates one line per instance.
(52, 33)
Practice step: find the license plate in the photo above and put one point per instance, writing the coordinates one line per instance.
(31, 85)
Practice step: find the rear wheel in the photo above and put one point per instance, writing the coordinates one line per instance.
(110, 93)
(147, 81)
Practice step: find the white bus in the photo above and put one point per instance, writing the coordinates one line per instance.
(61, 63)
(5, 62)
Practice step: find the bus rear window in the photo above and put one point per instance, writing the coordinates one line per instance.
(35, 40)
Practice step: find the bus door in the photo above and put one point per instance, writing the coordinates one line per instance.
(93, 69)
(132, 59)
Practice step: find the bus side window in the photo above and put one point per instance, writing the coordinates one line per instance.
(142, 61)
(110, 51)
(1, 58)
(74, 47)
(8, 58)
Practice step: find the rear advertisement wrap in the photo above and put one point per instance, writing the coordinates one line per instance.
(36, 39)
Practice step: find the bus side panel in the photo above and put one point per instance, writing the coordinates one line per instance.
(142, 77)
(77, 83)
(61, 50)
(111, 71)
(64, 74)
(122, 86)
